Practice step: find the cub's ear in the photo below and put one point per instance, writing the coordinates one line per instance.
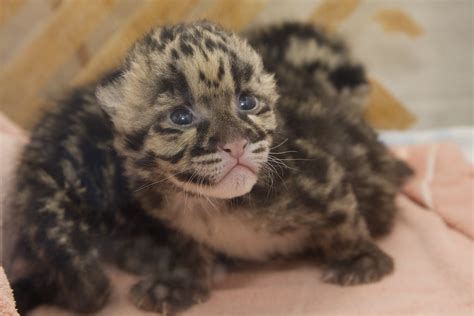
(110, 92)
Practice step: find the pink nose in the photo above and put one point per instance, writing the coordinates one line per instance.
(236, 149)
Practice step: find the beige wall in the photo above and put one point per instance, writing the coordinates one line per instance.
(48, 46)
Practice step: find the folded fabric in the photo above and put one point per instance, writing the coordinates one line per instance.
(444, 183)
(463, 136)
(433, 276)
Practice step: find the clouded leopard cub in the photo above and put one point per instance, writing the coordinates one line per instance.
(186, 153)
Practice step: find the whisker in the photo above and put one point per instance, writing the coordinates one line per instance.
(187, 184)
(282, 181)
(297, 159)
(279, 144)
(156, 182)
(200, 186)
(280, 163)
(271, 171)
(212, 204)
(282, 152)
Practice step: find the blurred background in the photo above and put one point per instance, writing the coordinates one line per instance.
(419, 53)
(419, 57)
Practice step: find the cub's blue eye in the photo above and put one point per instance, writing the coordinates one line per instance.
(247, 102)
(182, 117)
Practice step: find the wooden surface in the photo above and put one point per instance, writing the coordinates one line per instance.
(49, 46)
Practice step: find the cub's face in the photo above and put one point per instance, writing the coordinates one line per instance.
(194, 106)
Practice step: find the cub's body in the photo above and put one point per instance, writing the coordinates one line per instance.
(185, 152)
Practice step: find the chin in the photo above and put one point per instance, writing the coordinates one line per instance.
(237, 182)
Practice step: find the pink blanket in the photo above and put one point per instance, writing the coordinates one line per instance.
(432, 244)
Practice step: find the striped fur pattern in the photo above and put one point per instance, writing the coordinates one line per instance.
(109, 176)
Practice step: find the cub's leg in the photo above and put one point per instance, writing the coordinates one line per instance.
(376, 202)
(338, 229)
(179, 281)
(351, 255)
(376, 189)
(67, 271)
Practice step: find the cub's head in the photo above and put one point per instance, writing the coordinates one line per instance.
(193, 105)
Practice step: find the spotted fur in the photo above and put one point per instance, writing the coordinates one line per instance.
(108, 176)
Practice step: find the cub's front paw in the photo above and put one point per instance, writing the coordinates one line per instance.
(168, 295)
(368, 266)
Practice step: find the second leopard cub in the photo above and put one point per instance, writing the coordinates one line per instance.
(186, 153)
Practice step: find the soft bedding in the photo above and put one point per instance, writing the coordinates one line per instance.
(462, 136)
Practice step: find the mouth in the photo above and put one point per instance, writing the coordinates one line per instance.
(236, 181)
(238, 168)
